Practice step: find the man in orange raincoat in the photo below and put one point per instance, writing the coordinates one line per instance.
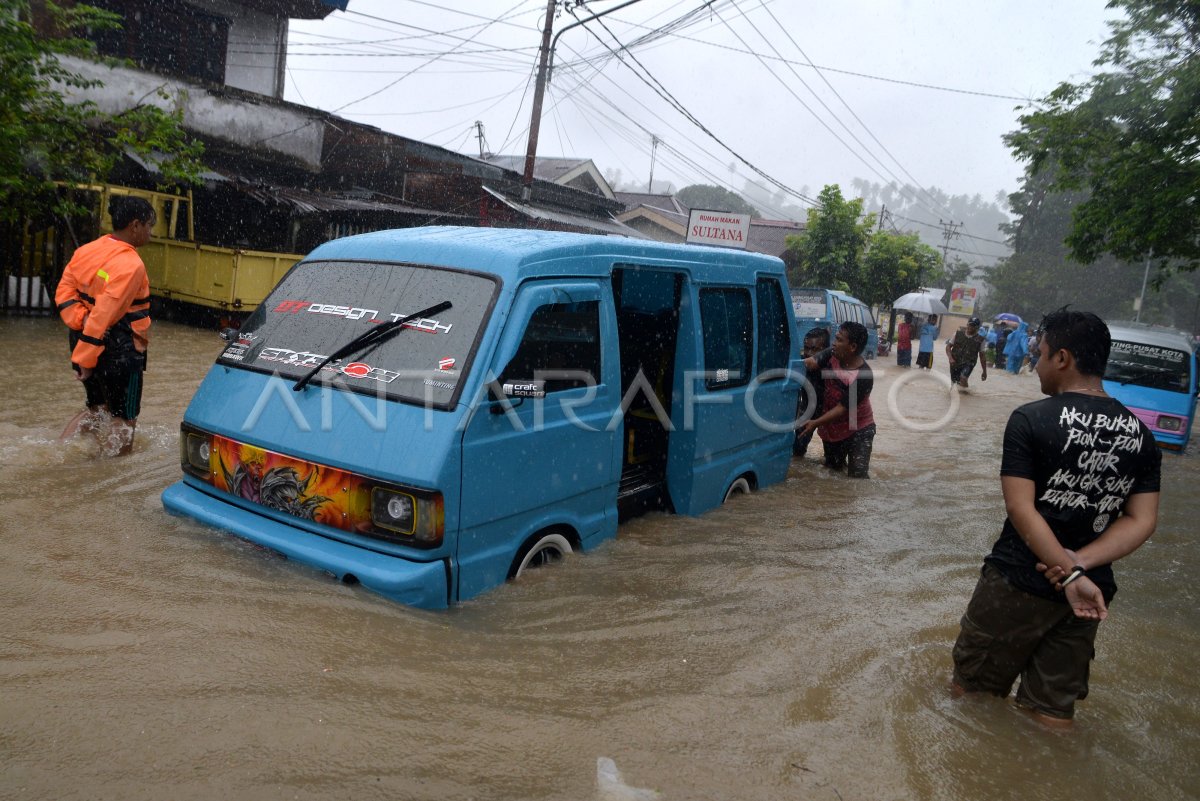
(104, 298)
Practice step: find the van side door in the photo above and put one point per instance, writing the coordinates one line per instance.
(541, 448)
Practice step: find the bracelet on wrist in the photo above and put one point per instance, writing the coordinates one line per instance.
(1075, 573)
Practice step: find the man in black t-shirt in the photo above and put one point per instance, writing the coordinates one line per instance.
(1080, 476)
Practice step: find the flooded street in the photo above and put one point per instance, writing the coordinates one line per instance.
(793, 644)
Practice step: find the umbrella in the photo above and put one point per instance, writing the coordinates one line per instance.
(1008, 317)
(919, 302)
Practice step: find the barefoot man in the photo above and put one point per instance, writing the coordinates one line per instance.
(104, 298)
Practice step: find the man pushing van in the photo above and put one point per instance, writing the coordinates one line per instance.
(104, 298)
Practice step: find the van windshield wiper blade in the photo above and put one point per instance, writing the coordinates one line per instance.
(370, 337)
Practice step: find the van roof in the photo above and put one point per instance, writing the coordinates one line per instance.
(516, 253)
(1151, 335)
(835, 292)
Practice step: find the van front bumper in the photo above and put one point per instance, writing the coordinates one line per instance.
(420, 584)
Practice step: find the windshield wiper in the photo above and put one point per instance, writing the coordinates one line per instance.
(1137, 373)
(370, 337)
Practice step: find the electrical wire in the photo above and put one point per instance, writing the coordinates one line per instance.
(662, 92)
(689, 165)
(587, 83)
(915, 84)
(392, 83)
(903, 188)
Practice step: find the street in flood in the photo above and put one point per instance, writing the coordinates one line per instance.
(794, 643)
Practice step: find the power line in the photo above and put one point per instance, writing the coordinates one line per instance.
(868, 76)
(588, 83)
(808, 108)
(936, 225)
(858, 119)
(689, 164)
(392, 83)
(639, 142)
(662, 92)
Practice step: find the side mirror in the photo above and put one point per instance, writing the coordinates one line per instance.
(513, 392)
(228, 334)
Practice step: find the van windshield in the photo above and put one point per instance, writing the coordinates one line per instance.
(1148, 366)
(320, 306)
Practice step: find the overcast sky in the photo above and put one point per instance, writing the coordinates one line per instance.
(744, 69)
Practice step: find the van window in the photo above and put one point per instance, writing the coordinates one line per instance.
(725, 315)
(810, 303)
(320, 306)
(1149, 366)
(774, 341)
(561, 346)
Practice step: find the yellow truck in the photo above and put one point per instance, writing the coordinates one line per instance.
(230, 282)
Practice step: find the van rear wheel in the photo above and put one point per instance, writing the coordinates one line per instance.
(547, 549)
(740, 486)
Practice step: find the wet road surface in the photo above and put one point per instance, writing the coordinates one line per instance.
(792, 644)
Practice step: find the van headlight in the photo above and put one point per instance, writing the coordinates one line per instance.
(1168, 423)
(195, 452)
(411, 517)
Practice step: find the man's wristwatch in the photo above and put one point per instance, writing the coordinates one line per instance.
(1075, 573)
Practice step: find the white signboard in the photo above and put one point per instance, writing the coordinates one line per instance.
(722, 228)
(962, 299)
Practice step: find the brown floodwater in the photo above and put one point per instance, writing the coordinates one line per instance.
(793, 644)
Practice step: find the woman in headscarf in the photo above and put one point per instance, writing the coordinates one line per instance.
(1016, 348)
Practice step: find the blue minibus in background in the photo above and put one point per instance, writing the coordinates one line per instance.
(431, 411)
(1152, 370)
(828, 309)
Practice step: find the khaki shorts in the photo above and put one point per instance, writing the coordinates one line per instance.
(1008, 633)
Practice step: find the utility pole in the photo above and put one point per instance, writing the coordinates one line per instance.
(883, 215)
(539, 91)
(545, 64)
(482, 140)
(653, 148)
(949, 232)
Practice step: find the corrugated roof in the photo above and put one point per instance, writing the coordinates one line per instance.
(306, 202)
(609, 226)
(662, 202)
(544, 167)
(770, 236)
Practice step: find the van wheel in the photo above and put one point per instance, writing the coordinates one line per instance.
(740, 486)
(545, 550)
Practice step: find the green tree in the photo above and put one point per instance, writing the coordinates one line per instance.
(829, 252)
(956, 272)
(1128, 140)
(714, 198)
(47, 138)
(1041, 276)
(894, 264)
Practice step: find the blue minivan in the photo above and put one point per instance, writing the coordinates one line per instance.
(1152, 370)
(828, 309)
(431, 411)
